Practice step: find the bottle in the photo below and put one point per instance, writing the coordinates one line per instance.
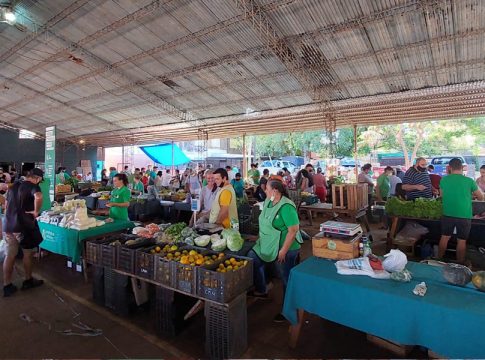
(361, 248)
(235, 224)
(367, 248)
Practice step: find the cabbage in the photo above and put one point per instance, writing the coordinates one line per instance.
(202, 241)
(218, 244)
(233, 238)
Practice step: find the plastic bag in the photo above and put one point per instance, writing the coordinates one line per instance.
(3, 250)
(412, 231)
(360, 266)
(395, 261)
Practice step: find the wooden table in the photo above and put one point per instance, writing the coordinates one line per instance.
(359, 215)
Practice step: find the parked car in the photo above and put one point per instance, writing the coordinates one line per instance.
(440, 164)
(276, 165)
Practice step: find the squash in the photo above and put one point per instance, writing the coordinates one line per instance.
(478, 279)
(457, 274)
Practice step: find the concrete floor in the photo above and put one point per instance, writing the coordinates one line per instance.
(66, 294)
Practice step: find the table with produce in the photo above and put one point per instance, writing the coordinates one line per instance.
(427, 213)
(399, 301)
(206, 264)
(66, 226)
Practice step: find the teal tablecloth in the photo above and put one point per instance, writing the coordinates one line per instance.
(449, 320)
(68, 242)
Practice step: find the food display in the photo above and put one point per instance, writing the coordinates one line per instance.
(73, 214)
(231, 265)
(62, 188)
(173, 234)
(420, 208)
(233, 239)
(478, 280)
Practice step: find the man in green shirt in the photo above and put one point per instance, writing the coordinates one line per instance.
(457, 191)
(383, 187)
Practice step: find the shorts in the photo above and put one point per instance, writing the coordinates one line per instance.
(14, 241)
(463, 226)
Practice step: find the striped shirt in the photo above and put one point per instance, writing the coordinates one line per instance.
(415, 177)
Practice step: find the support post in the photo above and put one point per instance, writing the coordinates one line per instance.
(122, 158)
(355, 154)
(173, 158)
(245, 162)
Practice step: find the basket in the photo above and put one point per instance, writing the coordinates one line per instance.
(184, 277)
(226, 329)
(163, 270)
(117, 291)
(93, 253)
(223, 287)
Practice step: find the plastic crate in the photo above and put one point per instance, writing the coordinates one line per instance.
(98, 285)
(163, 270)
(93, 253)
(118, 292)
(165, 312)
(226, 329)
(144, 263)
(184, 277)
(223, 287)
(126, 255)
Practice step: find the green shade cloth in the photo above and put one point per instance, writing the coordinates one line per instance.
(449, 320)
(68, 242)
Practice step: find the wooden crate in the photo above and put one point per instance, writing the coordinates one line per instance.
(399, 349)
(350, 196)
(335, 249)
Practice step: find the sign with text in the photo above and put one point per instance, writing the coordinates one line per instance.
(50, 159)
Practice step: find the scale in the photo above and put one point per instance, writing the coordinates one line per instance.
(340, 228)
(195, 207)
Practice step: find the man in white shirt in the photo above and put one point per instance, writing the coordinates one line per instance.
(394, 180)
(166, 178)
(230, 173)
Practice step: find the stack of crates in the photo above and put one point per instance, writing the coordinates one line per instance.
(226, 328)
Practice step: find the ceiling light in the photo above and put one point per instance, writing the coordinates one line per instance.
(82, 141)
(7, 15)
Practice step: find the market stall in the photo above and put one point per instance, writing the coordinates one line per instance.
(214, 271)
(390, 309)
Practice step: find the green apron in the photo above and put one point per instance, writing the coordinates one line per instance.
(268, 245)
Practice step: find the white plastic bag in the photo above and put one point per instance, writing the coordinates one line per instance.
(395, 261)
(360, 266)
(3, 250)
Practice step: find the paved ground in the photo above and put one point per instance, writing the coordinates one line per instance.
(66, 294)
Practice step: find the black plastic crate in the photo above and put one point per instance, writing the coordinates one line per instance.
(163, 270)
(126, 256)
(118, 292)
(144, 263)
(226, 329)
(170, 309)
(98, 285)
(94, 253)
(223, 287)
(184, 277)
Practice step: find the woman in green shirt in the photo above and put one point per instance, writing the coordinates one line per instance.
(137, 184)
(279, 239)
(120, 198)
(254, 174)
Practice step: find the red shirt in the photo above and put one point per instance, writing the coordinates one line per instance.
(435, 180)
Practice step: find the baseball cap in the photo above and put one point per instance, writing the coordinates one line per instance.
(37, 172)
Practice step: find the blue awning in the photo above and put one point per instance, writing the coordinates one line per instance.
(162, 154)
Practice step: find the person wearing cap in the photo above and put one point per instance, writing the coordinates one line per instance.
(23, 205)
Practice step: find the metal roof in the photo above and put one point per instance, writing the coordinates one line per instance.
(120, 71)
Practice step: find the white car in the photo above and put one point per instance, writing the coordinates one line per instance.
(276, 165)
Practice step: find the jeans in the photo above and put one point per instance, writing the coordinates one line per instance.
(282, 270)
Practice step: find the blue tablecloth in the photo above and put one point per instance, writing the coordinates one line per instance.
(449, 320)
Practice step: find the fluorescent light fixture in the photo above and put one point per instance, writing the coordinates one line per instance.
(26, 134)
(7, 15)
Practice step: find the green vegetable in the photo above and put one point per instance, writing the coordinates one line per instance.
(233, 239)
(420, 208)
(202, 241)
(174, 232)
(218, 244)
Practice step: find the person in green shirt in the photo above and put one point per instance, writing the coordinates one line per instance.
(457, 191)
(279, 239)
(120, 198)
(137, 184)
(254, 174)
(383, 187)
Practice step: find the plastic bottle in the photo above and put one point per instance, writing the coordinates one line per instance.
(367, 248)
(235, 224)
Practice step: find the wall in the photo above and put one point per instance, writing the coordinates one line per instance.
(13, 149)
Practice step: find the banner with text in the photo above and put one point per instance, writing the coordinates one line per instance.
(50, 159)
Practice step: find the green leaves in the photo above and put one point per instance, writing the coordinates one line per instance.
(419, 208)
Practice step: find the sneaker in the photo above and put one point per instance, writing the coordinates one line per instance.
(9, 290)
(32, 283)
(279, 318)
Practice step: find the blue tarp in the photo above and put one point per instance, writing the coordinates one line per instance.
(162, 154)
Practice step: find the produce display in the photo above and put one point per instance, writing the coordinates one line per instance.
(231, 265)
(233, 239)
(218, 243)
(73, 214)
(173, 234)
(148, 231)
(419, 208)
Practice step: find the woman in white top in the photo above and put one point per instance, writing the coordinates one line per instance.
(194, 183)
(159, 181)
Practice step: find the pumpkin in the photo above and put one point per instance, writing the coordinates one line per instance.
(457, 274)
(478, 279)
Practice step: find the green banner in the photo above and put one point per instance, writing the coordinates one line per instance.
(50, 159)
